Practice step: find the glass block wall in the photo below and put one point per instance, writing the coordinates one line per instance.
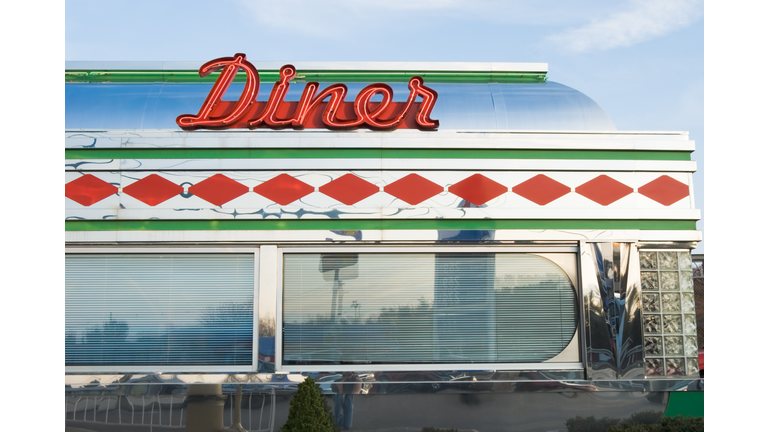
(669, 314)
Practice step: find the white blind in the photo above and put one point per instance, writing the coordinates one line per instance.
(159, 309)
(396, 308)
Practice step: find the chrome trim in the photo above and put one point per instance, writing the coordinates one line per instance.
(563, 361)
(234, 237)
(403, 138)
(268, 309)
(359, 164)
(318, 65)
(466, 381)
(181, 249)
(612, 310)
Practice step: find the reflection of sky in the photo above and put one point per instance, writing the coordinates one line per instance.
(395, 280)
(153, 291)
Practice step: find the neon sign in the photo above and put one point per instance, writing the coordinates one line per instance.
(311, 111)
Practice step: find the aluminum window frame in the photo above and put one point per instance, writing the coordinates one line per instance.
(575, 278)
(160, 369)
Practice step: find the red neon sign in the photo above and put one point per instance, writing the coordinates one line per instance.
(311, 111)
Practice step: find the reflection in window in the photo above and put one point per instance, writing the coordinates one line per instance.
(425, 308)
(153, 309)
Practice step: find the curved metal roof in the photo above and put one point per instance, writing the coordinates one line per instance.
(547, 106)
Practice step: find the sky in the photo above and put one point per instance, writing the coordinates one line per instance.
(642, 61)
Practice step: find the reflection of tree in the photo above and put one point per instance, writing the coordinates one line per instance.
(267, 327)
(227, 314)
(111, 331)
(222, 334)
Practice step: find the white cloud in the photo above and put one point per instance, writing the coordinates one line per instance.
(644, 20)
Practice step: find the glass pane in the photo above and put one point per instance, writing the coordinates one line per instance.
(689, 304)
(693, 366)
(159, 309)
(691, 350)
(673, 345)
(675, 366)
(652, 323)
(690, 324)
(668, 260)
(686, 281)
(670, 302)
(648, 260)
(653, 346)
(650, 281)
(654, 366)
(651, 303)
(669, 281)
(386, 308)
(673, 324)
(685, 261)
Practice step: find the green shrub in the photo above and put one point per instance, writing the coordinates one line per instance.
(645, 417)
(666, 424)
(307, 413)
(434, 429)
(590, 424)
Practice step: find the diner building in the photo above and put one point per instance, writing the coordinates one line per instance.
(445, 245)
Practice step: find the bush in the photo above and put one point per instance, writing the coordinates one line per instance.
(434, 429)
(666, 424)
(307, 413)
(590, 424)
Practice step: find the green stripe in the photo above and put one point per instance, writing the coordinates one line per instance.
(375, 224)
(190, 76)
(346, 153)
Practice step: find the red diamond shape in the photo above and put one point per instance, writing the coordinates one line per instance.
(413, 189)
(88, 190)
(541, 189)
(664, 190)
(604, 190)
(284, 189)
(477, 189)
(218, 189)
(153, 189)
(349, 189)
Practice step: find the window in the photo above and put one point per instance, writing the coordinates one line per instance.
(159, 309)
(427, 308)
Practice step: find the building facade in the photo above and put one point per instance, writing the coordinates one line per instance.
(448, 245)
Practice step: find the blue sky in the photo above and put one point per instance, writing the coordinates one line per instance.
(642, 61)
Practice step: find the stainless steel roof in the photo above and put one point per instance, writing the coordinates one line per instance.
(548, 106)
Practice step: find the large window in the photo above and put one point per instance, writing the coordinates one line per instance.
(159, 309)
(426, 308)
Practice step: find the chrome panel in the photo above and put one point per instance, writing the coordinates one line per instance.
(161, 407)
(267, 311)
(547, 106)
(611, 290)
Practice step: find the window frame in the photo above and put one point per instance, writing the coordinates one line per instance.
(573, 274)
(159, 369)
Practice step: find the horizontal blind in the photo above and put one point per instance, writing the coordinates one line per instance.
(398, 308)
(159, 309)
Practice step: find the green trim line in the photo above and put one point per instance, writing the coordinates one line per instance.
(375, 224)
(375, 153)
(266, 76)
(687, 403)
